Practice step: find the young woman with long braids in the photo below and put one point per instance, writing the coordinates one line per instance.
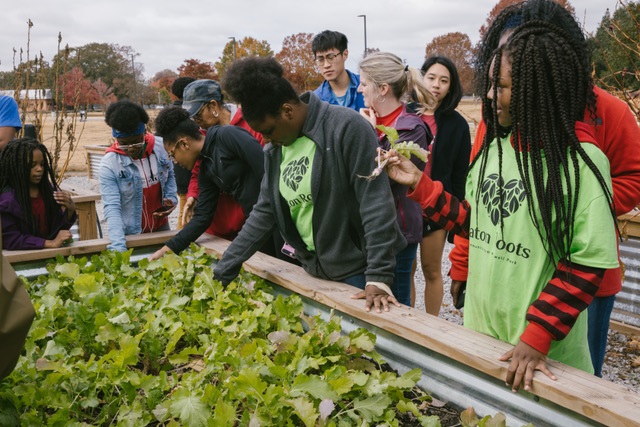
(538, 208)
(36, 214)
(385, 83)
(616, 133)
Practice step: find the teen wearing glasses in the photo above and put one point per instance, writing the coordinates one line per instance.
(231, 162)
(137, 183)
(340, 86)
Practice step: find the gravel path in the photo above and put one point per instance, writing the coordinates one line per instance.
(622, 363)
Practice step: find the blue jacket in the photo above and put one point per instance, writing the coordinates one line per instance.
(121, 190)
(9, 114)
(325, 93)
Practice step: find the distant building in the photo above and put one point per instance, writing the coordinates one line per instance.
(35, 99)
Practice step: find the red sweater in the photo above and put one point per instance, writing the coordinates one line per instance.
(618, 136)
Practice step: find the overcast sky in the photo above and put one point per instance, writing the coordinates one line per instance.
(165, 33)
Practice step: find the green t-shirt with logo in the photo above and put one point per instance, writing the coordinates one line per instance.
(295, 185)
(508, 269)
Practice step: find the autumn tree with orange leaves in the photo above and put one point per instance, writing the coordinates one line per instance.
(236, 49)
(457, 47)
(163, 79)
(296, 57)
(78, 89)
(197, 69)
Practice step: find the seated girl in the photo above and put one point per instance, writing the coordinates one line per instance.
(35, 213)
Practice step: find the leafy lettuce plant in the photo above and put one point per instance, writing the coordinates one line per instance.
(164, 344)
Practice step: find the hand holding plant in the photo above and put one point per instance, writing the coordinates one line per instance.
(404, 149)
(401, 169)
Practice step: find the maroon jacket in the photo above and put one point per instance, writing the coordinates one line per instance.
(15, 233)
(410, 127)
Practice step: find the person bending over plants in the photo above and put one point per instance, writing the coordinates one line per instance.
(538, 208)
(204, 101)
(341, 226)
(231, 162)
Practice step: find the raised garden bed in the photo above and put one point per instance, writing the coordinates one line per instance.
(458, 365)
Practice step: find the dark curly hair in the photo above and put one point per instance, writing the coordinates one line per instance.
(125, 116)
(178, 85)
(174, 122)
(15, 171)
(549, 93)
(259, 86)
(451, 101)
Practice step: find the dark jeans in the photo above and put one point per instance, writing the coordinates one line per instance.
(359, 281)
(402, 277)
(401, 286)
(599, 314)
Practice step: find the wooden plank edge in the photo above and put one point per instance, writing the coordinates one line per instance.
(624, 328)
(81, 195)
(629, 224)
(84, 247)
(597, 399)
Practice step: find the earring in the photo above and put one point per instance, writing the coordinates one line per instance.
(215, 113)
(380, 101)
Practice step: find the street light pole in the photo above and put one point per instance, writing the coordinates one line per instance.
(234, 47)
(365, 33)
(133, 72)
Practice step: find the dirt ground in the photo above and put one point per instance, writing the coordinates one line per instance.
(94, 131)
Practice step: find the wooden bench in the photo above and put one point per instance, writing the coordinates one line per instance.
(94, 154)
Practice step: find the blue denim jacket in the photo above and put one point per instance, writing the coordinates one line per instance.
(121, 190)
(325, 93)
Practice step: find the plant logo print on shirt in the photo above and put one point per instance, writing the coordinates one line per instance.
(294, 172)
(513, 196)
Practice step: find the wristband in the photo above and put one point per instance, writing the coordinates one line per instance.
(381, 286)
